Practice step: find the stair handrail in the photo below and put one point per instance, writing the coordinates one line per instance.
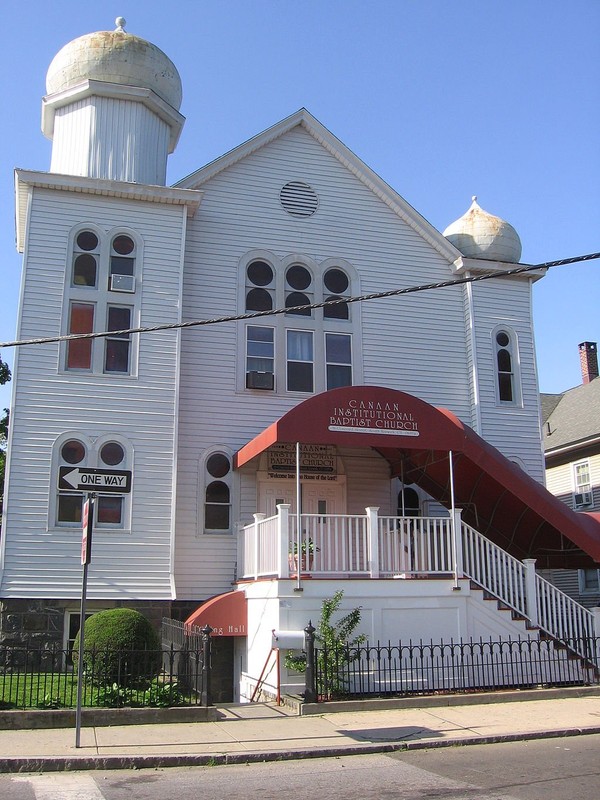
(497, 572)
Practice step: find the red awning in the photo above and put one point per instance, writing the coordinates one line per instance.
(497, 497)
(227, 615)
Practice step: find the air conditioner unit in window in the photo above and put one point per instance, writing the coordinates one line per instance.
(583, 499)
(122, 283)
(260, 380)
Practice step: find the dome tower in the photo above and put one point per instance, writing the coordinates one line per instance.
(478, 234)
(112, 108)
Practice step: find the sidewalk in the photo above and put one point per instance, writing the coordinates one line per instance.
(262, 732)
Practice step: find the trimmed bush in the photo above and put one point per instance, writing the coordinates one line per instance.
(121, 647)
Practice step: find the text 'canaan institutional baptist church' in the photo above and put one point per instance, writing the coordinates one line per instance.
(308, 443)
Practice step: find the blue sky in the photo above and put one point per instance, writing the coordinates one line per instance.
(443, 99)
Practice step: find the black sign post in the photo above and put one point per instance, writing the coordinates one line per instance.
(86, 557)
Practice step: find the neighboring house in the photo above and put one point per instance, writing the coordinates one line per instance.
(340, 441)
(572, 447)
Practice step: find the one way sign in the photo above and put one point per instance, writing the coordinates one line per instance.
(95, 480)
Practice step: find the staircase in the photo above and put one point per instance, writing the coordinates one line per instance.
(516, 587)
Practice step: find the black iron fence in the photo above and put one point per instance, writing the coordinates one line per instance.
(431, 668)
(176, 674)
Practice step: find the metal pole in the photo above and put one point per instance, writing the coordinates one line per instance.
(86, 558)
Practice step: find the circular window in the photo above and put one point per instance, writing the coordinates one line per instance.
(259, 273)
(123, 245)
(502, 338)
(336, 281)
(218, 465)
(112, 453)
(259, 300)
(86, 240)
(73, 452)
(298, 277)
(299, 199)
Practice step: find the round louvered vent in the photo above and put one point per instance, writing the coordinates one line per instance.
(299, 199)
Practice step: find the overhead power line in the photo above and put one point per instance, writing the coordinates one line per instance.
(309, 306)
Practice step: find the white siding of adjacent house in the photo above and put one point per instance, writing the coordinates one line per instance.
(39, 559)
(560, 481)
(415, 343)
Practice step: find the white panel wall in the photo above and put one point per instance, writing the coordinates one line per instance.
(513, 429)
(41, 560)
(416, 343)
(101, 137)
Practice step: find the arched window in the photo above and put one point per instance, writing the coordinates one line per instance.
(409, 504)
(76, 452)
(335, 287)
(101, 295)
(259, 286)
(217, 493)
(298, 289)
(506, 366)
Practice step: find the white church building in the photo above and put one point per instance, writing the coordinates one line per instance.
(305, 440)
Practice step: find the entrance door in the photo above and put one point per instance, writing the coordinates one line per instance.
(317, 497)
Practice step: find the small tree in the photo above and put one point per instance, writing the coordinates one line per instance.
(336, 646)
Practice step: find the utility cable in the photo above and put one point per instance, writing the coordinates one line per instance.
(307, 307)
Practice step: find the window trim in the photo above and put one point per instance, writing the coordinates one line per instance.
(205, 479)
(583, 488)
(93, 446)
(102, 297)
(586, 590)
(317, 323)
(513, 349)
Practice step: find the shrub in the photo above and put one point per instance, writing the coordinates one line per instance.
(121, 647)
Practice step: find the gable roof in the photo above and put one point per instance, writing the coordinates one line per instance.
(574, 422)
(345, 156)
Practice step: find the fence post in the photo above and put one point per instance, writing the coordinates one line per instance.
(373, 539)
(258, 518)
(283, 539)
(531, 599)
(206, 697)
(310, 677)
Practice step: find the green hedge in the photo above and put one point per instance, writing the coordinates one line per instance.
(120, 646)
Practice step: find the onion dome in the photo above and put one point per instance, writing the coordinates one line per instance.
(478, 234)
(115, 57)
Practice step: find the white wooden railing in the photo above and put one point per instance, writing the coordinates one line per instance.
(369, 545)
(517, 585)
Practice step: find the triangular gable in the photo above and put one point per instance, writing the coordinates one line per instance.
(346, 157)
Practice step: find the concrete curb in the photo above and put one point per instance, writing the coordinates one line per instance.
(73, 763)
(448, 700)
(103, 717)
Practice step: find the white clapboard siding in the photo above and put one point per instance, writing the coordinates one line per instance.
(41, 560)
(415, 343)
(101, 137)
(514, 430)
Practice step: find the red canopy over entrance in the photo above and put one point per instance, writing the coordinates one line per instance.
(497, 497)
